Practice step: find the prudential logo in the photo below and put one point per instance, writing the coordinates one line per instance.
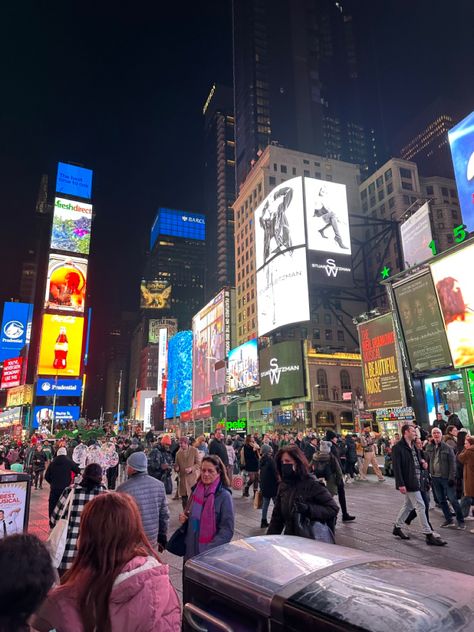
(275, 371)
(13, 330)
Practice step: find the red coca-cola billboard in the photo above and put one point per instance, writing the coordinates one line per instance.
(11, 375)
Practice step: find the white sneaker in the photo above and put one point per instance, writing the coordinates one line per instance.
(471, 531)
(469, 519)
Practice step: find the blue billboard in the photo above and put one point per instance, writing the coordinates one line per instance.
(62, 388)
(16, 329)
(242, 367)
(180, 374)
(461, 140)
(43, 415)
(74, 180)
(178, 224)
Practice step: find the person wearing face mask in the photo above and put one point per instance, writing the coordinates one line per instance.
(300, 492)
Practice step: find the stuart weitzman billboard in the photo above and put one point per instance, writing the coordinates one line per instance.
(281, 371)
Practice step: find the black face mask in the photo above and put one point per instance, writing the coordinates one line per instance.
(287, 472)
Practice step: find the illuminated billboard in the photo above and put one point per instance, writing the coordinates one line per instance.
(180, 374)
(327, 216)
(422, 324)
(73, 180)
(381, 369)
(61, 345)
(155, 294)
(43, 415)
(72, 222)
(67, 283)
(282, 371)
(16, 329)
(416, 237)
(11, 374)
(461, 140)
(446, 392)
(282, 291)
(178, 224)
(452, 276)
(242, 367)
(61, 388)
(211, 344)
(154, 326)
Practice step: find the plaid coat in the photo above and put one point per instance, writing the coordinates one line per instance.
(81, 498)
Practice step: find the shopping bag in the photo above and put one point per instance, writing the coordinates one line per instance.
(258, 500)
(56, 542)
(237, 482)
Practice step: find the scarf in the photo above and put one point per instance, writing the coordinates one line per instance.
(203, 515)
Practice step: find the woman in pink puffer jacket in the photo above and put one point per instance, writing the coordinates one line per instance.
(116, 583)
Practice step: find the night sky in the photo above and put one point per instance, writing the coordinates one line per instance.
(121, 91)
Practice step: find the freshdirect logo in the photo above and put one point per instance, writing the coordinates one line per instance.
(70, 206)
(13, 330)
(275, 371)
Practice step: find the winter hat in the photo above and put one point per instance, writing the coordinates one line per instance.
(325, 447)
(138, 461)
(330, 435)
(62, 452)
(165, 440)
(266, 449)
(135, 441)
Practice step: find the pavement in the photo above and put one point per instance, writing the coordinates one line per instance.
(375, 506)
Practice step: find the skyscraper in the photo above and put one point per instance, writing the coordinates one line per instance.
(219, 183)
(297, 82)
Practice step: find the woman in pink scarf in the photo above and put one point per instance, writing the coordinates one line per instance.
(210, 511)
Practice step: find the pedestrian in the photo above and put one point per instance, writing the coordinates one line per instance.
(210, 511)
(407, 466)
(83, 492)
(187, 465)
(425, 486)
(149, 438)
(48, 451)
(26, 577)
(466, 458)
(117, 582)
(201, 446)
(326, 467)
(251, 456)
(217, 446)
(367, 441)
(300, 492)
(332, 438)
(311, 448)
(150, 496)
(38, 462)
(453, 420)
(440, 423)
(451, 438)
(230, 456)
(59, 476)
(268, 482)
(351, 458)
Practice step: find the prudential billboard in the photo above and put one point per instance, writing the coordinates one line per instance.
(16, 329)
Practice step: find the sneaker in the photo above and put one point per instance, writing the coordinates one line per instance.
(468, 518)
(348, 518)
(399, 533)
(434, 540)
(381, 480)
(461, 526)
(471, 530)
(448, 524)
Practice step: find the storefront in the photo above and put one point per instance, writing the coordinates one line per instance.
(390, 420)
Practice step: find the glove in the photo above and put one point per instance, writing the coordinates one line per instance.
(451, 483)
(162, 540)
(302, 508)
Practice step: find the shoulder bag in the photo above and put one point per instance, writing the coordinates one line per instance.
(304, 527)
(56, 542)
(177, 542)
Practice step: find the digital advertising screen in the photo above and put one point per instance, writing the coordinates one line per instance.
(242, 367)
(178, 224)
(180, 374)
(61, 345)
(67, 283)
(461, 141)
(282, 291)
(154, 326)
(282, 371)
(453, 279)
(211, 340)
(73, 180)
(422, 324)
(16, 328)
(330, 270)
(72, 225)
(279, 221)
(446, 392)
(13, 507)
(381, 370)
(155, 294)
(43, 415)
(416, 235)
(61, 388)
(327, 216)
(11, 374)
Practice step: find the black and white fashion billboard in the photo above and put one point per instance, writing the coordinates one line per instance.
(327, 216)
(279, 221)
(416, 237)
(282, 291)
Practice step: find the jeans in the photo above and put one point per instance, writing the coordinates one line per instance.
(466, 503)
(413, 514)
(444, 493)
(414, 500)
(38, 478)
(265, 506)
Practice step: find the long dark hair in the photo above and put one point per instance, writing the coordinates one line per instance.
(111, 534)
(462, 434)
(220, 467)
(302, 465)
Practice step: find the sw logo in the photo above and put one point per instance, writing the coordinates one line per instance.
(331, 268)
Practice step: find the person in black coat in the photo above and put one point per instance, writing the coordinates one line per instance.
(351, 457)
(310, 448)
(217, 446)
(337, 450)
(58, 475)
(251, 458)
(38, 462)
(268, 481)
(299, 492)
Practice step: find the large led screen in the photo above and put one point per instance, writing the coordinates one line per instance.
(242, 367)
(180, 374)
(44, 415)
(178, 224)
(61, 345)
(446, 392)
(11, 374)
(461, 140)
(72, 222)
(155, 294)
(422, 324)
(416, 236)
(327, 216)
(282, 291)
(73, 180)
(16, 329)
(61, 388)
(281, 371)
(67, 283)
(279, 221)
(383, 384)
(154, 326)
(453, 278)
(211, 340)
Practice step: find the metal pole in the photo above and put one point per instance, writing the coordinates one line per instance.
(119, 393)
(54, 401)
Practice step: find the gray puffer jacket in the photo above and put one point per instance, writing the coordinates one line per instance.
(150, 497)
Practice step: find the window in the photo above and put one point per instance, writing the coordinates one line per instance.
(272, 180)
(306, 162)
(306, 173)
(371, 188)
(317, 164)
(283, 169)
(439, 214)
(293, 170)
(363, 194)
(444, 191)
(452, 193)
(407, 186)
(317, 175)
(379, 181)
(340, 335)
(315, 318)
(345, 381)
(365, 207)
(406, 199)
(316, 334)
(329, 177)
(275, 166)
(327, 319)
(429, 190)
(322, 384)
(372, 201)
(391, 202)
(405, 173)
(450, 239)
(441, 225)
(328, 334)
(382, 209)
(380, 195)
(388, 175)
(389, 188)
(454, 214)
